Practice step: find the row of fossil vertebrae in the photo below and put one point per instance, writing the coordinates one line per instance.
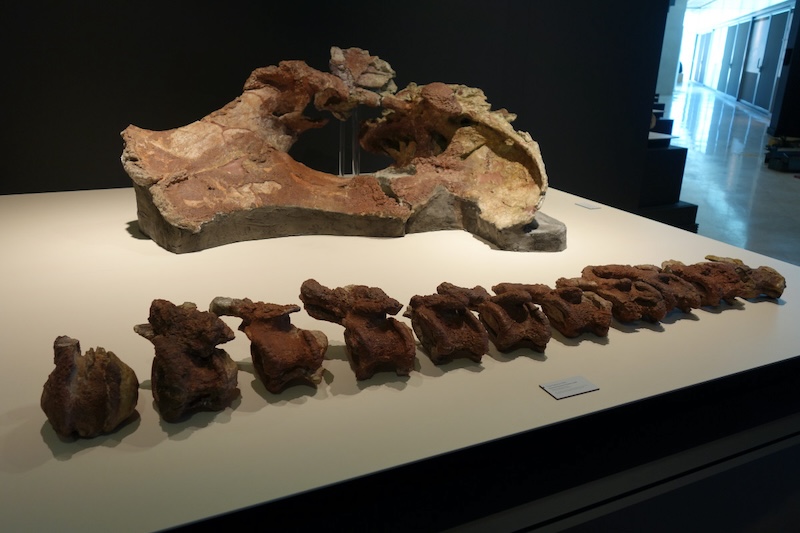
(93, 394)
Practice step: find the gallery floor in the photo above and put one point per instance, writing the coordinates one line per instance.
(740, 201)
(743, 203)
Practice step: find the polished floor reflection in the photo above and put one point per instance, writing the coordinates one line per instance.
(740, 201)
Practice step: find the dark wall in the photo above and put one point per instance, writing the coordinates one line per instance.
(580, 75)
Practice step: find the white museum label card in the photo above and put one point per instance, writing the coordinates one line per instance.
(564, 388)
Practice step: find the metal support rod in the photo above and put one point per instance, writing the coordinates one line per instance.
(342, 133)
(355, 146)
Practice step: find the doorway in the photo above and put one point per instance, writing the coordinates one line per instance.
(764, 52)
(745, 61)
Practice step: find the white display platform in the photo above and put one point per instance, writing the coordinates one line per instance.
(71, 266)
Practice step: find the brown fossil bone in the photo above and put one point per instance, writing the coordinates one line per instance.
(630, 300)
(446, 327)
(716, 282)
(88, 395)
(367, 78)
(513, 321)
(374, 341)
(758, 281)
(189, 373)
(282, 353)
(570, 310)
(458, 164)
(228, 177)
(676, 291)
(474, 296)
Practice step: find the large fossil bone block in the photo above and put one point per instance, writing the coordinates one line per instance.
(228, 177)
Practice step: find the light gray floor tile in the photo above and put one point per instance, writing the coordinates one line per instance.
(740, 201)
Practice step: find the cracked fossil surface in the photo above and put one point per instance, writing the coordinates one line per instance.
(513, 321)
(375, 342)
(228, 177)
(88, 395)
(446, 327)
(282, 353)
(570, 310)
(189, 373)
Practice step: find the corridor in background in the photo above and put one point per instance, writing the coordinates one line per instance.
(740, 201)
